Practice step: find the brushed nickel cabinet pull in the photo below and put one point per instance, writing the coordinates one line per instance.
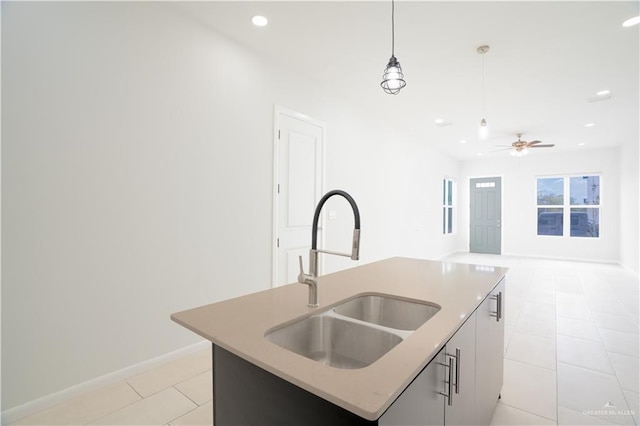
(450, 396)
(457, 370)
(498, 312)
(449, 382)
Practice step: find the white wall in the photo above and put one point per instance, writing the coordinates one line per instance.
(398, 189)
(136, 161)
(629, 216)
(519, 203)
(0, 222)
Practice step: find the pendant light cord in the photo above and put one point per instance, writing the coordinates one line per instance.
(393, 29)
(483, 85)
(393, 78)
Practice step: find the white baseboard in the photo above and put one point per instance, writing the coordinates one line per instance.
(563, 258)
(13, 414)
(444, 256)
(630, 270)
(533, 256)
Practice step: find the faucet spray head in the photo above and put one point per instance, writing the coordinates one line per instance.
(355, 248)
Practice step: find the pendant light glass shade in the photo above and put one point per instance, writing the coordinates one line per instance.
(483, 130)
(393, 78)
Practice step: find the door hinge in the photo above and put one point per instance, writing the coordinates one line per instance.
(278, 133)
(277, 242)
(278, 188)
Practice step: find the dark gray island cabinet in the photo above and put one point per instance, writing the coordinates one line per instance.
(460, 385)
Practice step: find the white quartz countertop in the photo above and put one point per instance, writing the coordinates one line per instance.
(239, 325)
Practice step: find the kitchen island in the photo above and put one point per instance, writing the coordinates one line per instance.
(452, 360)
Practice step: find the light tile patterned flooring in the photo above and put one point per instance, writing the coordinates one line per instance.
(571, 357)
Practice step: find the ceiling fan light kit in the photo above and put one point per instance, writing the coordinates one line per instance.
(519, 153)
(521, 148)
(393, 78)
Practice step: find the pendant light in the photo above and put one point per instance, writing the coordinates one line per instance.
(393, 78)
(483, 130)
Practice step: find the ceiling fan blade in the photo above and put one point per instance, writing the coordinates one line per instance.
(503, 149)
(547, 145)
(533, 143)
(505, 146)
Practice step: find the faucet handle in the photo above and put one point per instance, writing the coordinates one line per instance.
(301, 276)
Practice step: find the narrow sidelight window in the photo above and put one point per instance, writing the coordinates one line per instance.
(448, 188)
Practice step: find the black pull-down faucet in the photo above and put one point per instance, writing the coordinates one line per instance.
(311, 279)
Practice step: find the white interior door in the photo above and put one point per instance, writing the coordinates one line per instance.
(299, 149)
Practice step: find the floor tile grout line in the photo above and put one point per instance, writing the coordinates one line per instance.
(601, 341)
(171, 385)
(549, 339)
(584, 340)
(589, 369)
(186, 396)
(124, 406)
(119, 409)
(188, 412)
(623, 354)
(135, 402)
(192, 377)
(134, 389)
(532, 365)
(528, 412)
(616, 374)
(581, 338)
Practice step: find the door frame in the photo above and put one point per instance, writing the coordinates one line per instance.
(502, 221)
(277, 112)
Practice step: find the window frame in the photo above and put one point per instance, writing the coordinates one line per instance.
(551, 206)
(449, 204)
(567, 206)
(585, 206)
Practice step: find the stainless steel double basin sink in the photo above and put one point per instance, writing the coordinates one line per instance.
(356, 332)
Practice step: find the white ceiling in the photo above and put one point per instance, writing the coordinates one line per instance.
(546, 60)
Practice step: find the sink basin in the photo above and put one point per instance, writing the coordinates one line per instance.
(335, 342)
(388, 311)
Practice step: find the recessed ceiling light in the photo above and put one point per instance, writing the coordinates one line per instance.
(601, 95)
(589, 125)
(581, 144)
(259, 21)
(479, 154)
(631, 21)
(440, 122)
(463, 141)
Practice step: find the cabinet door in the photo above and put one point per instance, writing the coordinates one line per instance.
(489, 352)
(422, 402)
(461, 411)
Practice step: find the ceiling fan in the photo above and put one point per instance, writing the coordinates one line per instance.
(520, 148)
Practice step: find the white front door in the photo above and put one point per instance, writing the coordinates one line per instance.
(299, 148)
